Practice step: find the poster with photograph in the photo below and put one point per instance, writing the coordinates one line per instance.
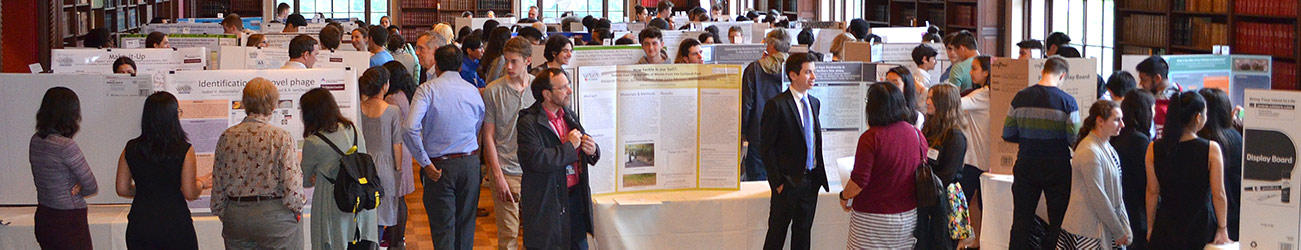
(1009, 76)
(663, 127)
(1269, 205)
(842, 89)
(1232, 73)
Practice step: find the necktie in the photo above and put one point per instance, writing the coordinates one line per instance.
(808, 132)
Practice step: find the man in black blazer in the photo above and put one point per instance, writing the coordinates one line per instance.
(792, 155)
(555, 197)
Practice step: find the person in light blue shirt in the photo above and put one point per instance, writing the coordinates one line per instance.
(378, 39)
(442, 134)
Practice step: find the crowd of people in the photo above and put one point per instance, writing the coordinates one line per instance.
(439, 106)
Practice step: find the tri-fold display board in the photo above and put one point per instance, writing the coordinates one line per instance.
(154, 62)
(1009, 76)
(1269, 205)
(662, 127)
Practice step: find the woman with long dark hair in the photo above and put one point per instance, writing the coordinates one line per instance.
(1185, 181)
(382, 125)
(948, 149)
(903, 80)
(489, 67)
(883, 213)
(322, 123)
(1095, 217)
(1219, 128)
(157, 170)
(59, 170)
(400, 89)
(1130, 147)
(975, 121)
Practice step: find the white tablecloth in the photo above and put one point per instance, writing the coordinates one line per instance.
(996, 218)
(704, 220)
(107, 228)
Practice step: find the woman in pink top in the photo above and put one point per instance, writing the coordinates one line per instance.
(881, 195)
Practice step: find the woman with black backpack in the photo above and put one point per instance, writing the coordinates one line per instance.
(326, 133)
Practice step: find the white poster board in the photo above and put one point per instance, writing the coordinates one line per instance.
(110, 116)
(477, 23)
(210, 103)
(1269, 217)
(274, 58)
(595, 55)
(314, 28)
(212, 42)
(156, 62)
(183, 28)
(1008, 76)
(901, 54)
(899, 34)
(663, 127)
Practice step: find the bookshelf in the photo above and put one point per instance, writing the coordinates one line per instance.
(950, 16)
(416, 16)
(1263, 27)
(78, 17)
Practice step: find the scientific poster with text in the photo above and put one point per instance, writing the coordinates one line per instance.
(155, 62)
(1008, 76)
(663, 127)
(1269, 213)
(210, 102)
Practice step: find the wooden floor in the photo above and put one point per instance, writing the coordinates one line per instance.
(485, 230)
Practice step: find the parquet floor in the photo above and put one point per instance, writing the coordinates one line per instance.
(485, 230)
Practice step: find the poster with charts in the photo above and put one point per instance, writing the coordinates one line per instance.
(663, 127)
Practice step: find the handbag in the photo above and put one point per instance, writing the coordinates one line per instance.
(929, 187)
(959, 220)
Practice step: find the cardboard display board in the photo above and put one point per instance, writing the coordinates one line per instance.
(1269, 211)
(154, 62)
(663, 127)
(110, 116)
(274, 58)
(1009, 76)
(1232, 73)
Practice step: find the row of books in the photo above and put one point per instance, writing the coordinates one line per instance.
(1267, 7)
(936, 16)
(1147, 5)
(419, 3)
(1200, 32)
(964, 15)
(1266, 39)
(457, 5)
(1284, 76)
(1145, 29)
(495, 5)
(1217, 6)
(419, 18)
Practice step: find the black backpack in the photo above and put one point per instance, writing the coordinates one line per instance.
(356, 186)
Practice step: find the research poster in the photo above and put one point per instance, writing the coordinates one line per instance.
(212, 42)
(1269, 203)
(1232, 73)
(184, 28)
(752, 32)
(155, 62)
(110, 116)
(1008, 76)
(901, 54)
(842, 89)
(314, 28)
(210, 102)
(663, 127)
(739, 54)
(250, 23)
(274, 58)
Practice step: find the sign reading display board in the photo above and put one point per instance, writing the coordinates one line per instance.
(1009, 76)
(1269, 208)
(210, 102)
(156, 62)
(663, 127)
(110, 116)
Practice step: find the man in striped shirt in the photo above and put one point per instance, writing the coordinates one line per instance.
(1043, 121)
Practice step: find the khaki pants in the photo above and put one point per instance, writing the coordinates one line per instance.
(507, 215)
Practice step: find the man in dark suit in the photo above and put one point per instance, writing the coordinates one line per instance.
(555, 197)
(792, 154)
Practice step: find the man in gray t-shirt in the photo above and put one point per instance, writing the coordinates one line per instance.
(503, 99)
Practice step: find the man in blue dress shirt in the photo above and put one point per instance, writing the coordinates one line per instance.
(442, 134)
